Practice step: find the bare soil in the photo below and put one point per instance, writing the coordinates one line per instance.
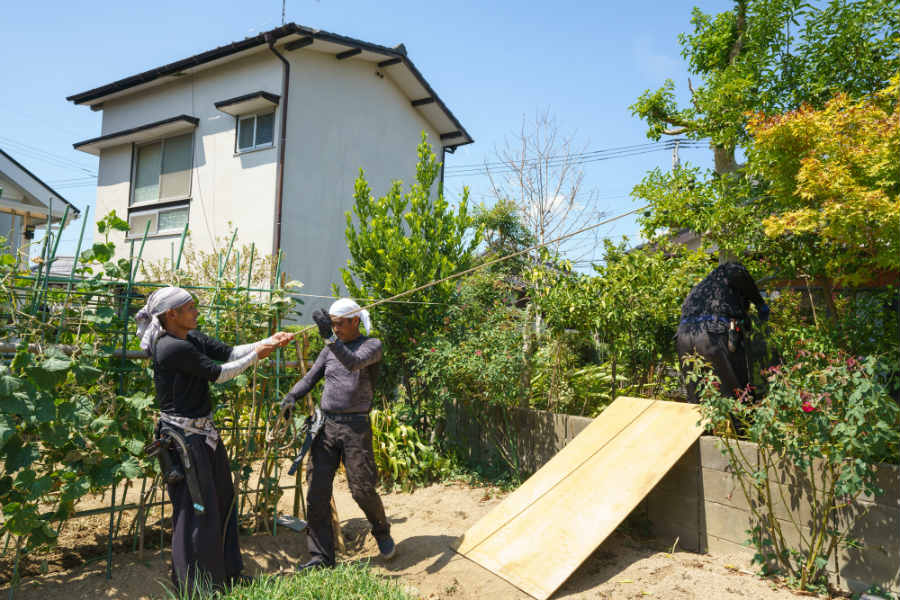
(424, 524)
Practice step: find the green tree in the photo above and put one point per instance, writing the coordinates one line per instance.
(833, 182)
(399, 242)
(772, 56)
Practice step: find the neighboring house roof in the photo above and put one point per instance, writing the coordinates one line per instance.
(61, 267)
(392, 61)
(39, 191)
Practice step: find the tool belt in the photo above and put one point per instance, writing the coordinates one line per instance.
(347, 417)
(704, 319)
(195, 425)
(171, 438)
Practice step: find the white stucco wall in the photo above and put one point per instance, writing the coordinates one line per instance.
(227, 190)
(341, 118)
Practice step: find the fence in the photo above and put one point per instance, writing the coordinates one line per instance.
(698, 505)
(84, 321)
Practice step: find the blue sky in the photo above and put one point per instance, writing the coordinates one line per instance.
(492, 63)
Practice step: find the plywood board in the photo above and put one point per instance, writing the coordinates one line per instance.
(544, 530)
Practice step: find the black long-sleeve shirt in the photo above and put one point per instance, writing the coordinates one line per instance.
(726, 292)
(350, 370)
(182, 370)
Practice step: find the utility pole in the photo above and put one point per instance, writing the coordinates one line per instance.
(676, 161)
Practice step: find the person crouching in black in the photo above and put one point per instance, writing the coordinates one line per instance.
(714, 311)
(205, 549)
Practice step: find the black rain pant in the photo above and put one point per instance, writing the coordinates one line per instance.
(710, 340)
(205, 546)
(349, 440)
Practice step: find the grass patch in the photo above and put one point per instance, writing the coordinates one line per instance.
(344, 582)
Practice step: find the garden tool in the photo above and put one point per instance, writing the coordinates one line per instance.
(171, 436)
(311, 426)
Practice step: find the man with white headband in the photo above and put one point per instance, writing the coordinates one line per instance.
(349, 363)
(204, 530)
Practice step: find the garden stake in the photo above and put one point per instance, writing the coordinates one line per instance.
(112, 516)
(181, 247)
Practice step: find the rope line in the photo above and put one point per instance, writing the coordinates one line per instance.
(491, 262)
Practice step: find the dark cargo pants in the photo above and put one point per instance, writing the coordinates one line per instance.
(348, 439)
(710, 340)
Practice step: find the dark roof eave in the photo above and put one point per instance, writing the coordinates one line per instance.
(38, 179)
(193, 120)
(180, 65)
(273, 98)
(246, 44)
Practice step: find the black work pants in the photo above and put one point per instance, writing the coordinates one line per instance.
(205, 546)
(350, 441)
(710, 340)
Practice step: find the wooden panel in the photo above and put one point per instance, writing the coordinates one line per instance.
(544, 530)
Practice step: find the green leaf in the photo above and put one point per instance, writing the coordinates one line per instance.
(19, 455)
(135, 446)
(8, 383)
(51, 372)
(86, 374)
(7, 429)
(130, 468)
(103, 252)
(139, 401)
(109, 445)
(41, 408)
(15, 404)
(104, 473)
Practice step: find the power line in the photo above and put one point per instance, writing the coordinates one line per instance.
(667, 145)
(21, 148)
(578, 162)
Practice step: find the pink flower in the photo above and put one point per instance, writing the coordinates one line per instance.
(807, 407)
(432, 350)
(478, 353)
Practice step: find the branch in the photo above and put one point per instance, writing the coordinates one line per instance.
(741, 30)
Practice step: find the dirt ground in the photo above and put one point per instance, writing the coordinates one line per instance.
(424, 523)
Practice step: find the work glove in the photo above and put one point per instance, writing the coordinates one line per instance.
(763, 311)
(287, 406)
(324, 323)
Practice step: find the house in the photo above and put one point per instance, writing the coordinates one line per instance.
(26, 203)
(266, 135)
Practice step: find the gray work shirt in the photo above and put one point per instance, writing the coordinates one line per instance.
(350, 372)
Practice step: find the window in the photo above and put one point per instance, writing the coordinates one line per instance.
(255, 131)
(162, 221)
(162, 170)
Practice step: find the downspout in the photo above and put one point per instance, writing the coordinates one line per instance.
(279, 175)
(443, 160)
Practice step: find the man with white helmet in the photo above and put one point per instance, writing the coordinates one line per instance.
(349, 363)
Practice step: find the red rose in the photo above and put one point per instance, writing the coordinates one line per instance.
(807, 407)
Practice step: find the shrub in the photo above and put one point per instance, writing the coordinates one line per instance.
(829, 418)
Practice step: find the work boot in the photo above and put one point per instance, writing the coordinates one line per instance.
(386, 546)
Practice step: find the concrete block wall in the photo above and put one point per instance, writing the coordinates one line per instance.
(700, 503)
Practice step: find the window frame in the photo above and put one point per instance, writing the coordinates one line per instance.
(154, 212)
(255, 116)
(135, 152)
